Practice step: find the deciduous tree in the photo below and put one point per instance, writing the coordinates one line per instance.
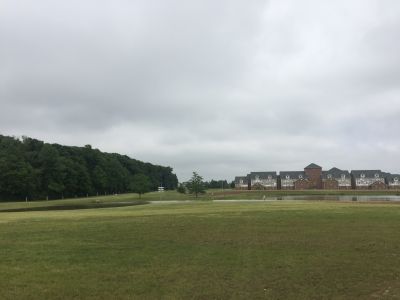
(140, 184)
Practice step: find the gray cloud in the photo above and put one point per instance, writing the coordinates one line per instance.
(223, 87)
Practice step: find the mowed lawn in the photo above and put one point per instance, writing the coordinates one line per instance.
(205, 250)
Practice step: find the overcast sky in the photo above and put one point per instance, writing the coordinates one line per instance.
(219, 87)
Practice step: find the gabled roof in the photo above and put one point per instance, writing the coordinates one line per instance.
(367, 173)
(335, 173)
(313, 166)
(292, 174)
(238, 178)
(391, 177)
(263, 175)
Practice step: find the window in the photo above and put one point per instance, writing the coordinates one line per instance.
(376, 175)
(362, 175)
(329, 176)
(269, 177)
(395, 179)
(287, 176)
(343, 176)
(257, 178)
(300, 176)
(241, 181)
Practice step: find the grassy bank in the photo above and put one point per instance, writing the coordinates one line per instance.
(269, 250)
(212, 194)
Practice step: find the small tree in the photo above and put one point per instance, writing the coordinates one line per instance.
(181, 188)
(140, 184)
(195, 185)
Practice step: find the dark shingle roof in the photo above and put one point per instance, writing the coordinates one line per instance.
(263, 175)
(336, 173)
(238, 178)
(391, 177)
(292, 174)
(313, 166)
(367, 173)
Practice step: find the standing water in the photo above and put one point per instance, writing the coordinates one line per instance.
(362, 198)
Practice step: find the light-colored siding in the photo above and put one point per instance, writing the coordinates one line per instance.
(367, 181)
(265, 182)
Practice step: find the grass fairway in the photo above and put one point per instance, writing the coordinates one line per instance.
(205, 250)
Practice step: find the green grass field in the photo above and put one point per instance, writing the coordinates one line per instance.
(203, 250)
(212, 194)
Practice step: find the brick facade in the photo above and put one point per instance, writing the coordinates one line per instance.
(302, 184)
(314, 173)
(335, 178)
(330, 184)
(314, 178)
(368, 179)
(378, 185)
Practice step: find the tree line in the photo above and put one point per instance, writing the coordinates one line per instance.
(37, 170)
(218, 184)
(197, 186)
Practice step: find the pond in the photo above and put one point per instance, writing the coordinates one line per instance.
(361, 198)
(74, 206)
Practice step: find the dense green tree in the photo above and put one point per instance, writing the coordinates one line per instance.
(17, 178)
(34, 169)
(216, 184)
(99, 180)
(140, 184)
(195, 185)
(181, 188)
(52, 171)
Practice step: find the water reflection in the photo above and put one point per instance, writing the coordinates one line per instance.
(360, 198)
(341, 198)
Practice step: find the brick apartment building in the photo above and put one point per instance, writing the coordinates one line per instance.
(313, 177)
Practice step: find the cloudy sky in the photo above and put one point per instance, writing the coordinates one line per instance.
(221, 87)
